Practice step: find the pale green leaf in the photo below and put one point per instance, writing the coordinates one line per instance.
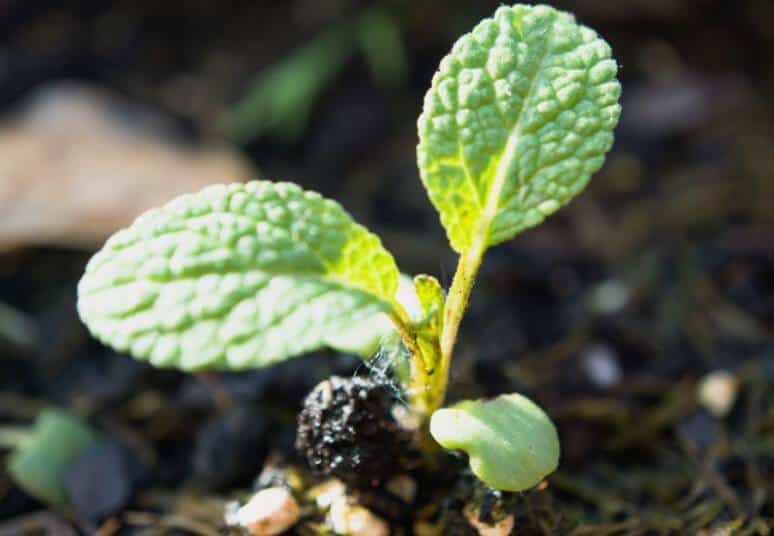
(430, 296)
(511, 443)
(237, 276)
(428, 328)
(407, 297)
(519, 115)
(362, 337)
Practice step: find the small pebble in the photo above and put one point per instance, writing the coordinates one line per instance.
(600, 363)
(271, 511)
(609, 297)
(717, 392)
(406, 419)
(231, 513)
(354, 520)
(499, 528)
(327, 492)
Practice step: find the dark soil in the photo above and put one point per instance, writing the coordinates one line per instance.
(346, 429)
(608, 315)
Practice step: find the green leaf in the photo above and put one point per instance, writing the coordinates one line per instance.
(280, 99)
(39, 464)
(362, 337)
(519, 115)
(511, 443)
(430, 296)
(428, 327)
(382, 43)
(237, 276)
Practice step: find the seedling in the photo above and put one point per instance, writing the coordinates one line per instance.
(43, 452)
(519, 116)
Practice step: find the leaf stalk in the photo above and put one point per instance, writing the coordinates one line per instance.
(454, 309)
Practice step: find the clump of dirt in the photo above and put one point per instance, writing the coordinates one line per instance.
(347, 429)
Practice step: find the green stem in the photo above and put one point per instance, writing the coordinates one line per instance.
(454, 309)
(419, 382)
(427, 388)
(14, 436)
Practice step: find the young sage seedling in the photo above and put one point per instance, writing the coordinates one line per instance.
(519, 116)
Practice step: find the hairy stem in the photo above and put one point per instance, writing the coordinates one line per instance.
(427, 386)
(419, 382)
(454, 309)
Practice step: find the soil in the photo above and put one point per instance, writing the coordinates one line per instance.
(609, 315)
(346, 429)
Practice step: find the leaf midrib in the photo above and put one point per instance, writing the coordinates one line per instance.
(492, 198)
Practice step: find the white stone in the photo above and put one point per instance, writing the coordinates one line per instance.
(353, 520)
(327, 492)
(600, 362)
(231, 513)
(717, 392)
(271, 511)
(408, 420)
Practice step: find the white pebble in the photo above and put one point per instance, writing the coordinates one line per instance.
(600, 363)
(717, 392)
(408, 420)
(354, 520)
(231, 513)
(271, 511)
(327, 492)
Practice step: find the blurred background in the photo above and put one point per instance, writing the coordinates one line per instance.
(641, 316)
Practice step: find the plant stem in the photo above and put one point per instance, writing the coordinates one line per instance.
(13, 436)
(454, 309)
(419, 384)
(427, 388)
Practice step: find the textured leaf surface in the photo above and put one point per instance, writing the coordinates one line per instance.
(237, 276)
(519, 115)
(511, 443)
